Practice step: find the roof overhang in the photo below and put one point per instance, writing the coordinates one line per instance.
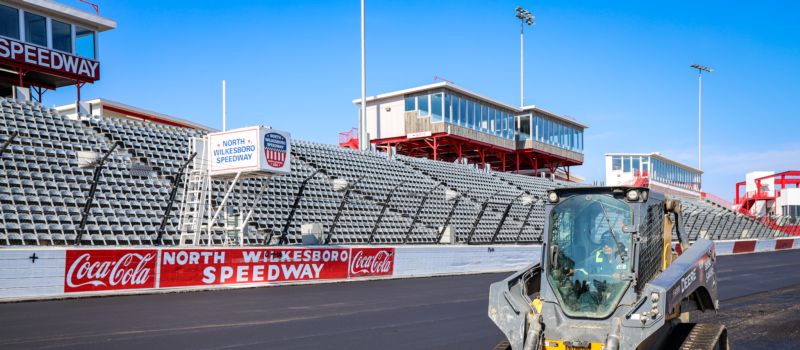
(460, 90)
(67, 13)
(658, 156)
(140, 113)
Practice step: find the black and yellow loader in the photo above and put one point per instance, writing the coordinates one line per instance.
(611, 278)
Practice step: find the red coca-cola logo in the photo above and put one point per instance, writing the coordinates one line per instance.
(97, 270)
(372, 262)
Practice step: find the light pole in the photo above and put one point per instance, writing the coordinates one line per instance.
(700, 70)
(362, 118)
(525, 17)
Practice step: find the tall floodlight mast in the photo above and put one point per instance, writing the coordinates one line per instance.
(363, 142)
(700, 70)
(525, 18)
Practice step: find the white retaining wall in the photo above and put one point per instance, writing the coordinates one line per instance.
(41, 272)
(423, 261)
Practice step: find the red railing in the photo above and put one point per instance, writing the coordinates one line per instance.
(717, 199)
(349, 139)
(784, 224)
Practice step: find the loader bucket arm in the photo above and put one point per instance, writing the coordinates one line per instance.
(510, 304)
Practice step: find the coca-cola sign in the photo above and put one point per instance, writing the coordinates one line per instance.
(371, 262)
(109, 269)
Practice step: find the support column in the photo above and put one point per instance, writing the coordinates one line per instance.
(517, 163)
(483, 159)
(435, 149)
(79, 85)
(504, 161)
(535, 163)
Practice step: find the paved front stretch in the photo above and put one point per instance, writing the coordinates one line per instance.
(425, 313)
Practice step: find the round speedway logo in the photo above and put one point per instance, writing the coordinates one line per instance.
(275, 149)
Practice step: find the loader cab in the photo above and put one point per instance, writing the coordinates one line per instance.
(590, 260)
(600, 246)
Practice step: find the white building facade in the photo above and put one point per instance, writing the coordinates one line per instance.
(652, 170)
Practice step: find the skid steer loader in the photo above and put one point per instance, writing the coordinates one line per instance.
(610, 278)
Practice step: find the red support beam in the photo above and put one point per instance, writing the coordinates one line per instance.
(435, 149)
(79, 85)
(738, 197)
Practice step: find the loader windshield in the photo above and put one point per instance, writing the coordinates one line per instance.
(589, 254)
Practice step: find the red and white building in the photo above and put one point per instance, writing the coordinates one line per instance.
(770, 194)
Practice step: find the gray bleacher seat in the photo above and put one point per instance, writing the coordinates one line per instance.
(43, 191)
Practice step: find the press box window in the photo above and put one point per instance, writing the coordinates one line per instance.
(411, 104)
(84, 42)
(422, 105)
(525, 127)
(35, 29)
(9, 22)
(62, 36)
(616, 163)
(436, 108)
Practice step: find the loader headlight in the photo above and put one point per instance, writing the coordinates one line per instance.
(552, 197)
(654, 297)
(632, 195)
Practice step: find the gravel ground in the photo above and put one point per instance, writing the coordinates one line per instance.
(766, 320)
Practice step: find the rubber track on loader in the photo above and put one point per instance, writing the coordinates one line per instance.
(503, 345)
(703, 336)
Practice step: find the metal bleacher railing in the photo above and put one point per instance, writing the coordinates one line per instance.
(401, 200)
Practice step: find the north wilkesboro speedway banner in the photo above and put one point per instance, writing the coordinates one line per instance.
(99, 270)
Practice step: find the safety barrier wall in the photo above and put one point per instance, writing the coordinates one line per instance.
(41, 272)
(45, 273)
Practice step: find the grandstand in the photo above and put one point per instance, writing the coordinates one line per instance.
(400, 200)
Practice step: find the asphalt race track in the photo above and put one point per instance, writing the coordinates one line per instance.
(425, 313)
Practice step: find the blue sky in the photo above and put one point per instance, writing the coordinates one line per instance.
(621, 67)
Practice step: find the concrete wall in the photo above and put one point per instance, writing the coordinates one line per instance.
(789, 196)
(58, 272)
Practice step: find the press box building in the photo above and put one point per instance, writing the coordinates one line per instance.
(443, 121)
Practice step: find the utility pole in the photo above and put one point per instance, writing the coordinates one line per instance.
(224, 109)
(525, 17)
(700, 70)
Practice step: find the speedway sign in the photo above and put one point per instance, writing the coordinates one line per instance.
(254, 150)
(104, 270)
(51, 61)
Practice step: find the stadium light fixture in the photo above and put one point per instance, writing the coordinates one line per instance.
(340, 185)
(700, 70)
(528, 200)
(451, 195)
(525, 18)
